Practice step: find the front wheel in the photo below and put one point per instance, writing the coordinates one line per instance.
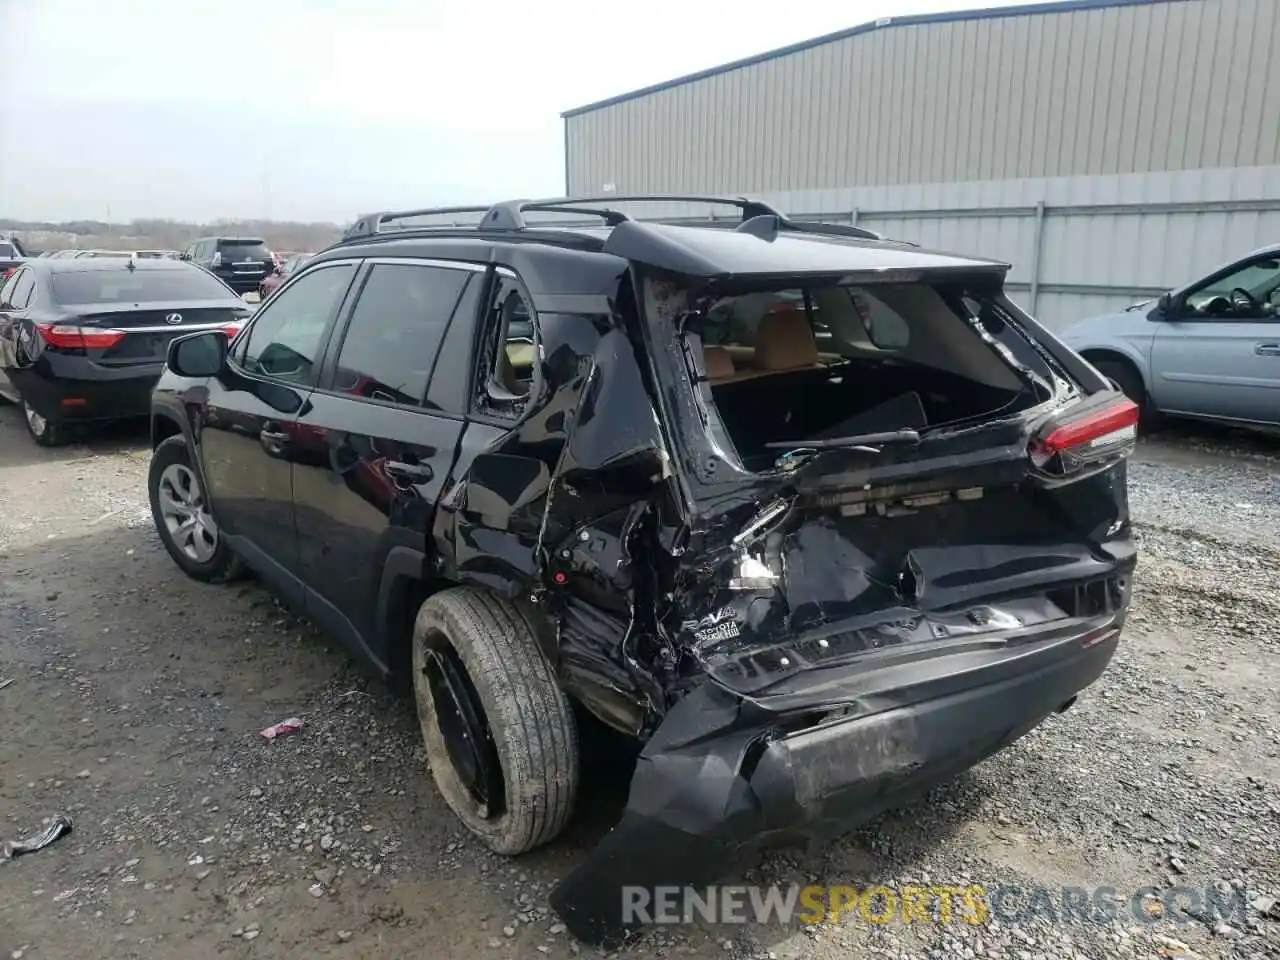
(499, 732)
(183, 517)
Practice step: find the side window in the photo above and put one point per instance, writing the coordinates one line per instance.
(395, 331)
(450, 387)
(1252, 291)
(511, 348)
(22, 289)
(285, 338)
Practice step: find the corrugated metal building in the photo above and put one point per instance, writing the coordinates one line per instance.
(1107, 148)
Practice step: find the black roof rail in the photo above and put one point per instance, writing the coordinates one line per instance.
(372, 223)
(758, 217)
(749, 206)
(835, 229)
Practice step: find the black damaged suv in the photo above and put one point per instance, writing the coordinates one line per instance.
(820, 519)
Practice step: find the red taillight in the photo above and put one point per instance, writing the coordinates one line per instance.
(231, 329)
(1114, 423)
(79, 338)
(1095, 438)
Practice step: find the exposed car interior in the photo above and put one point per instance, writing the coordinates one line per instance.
(515, 361)
(839, 361)
(1253, 291)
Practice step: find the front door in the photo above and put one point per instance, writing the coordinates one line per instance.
(1218, 353)
(248, 438)
(381, 437)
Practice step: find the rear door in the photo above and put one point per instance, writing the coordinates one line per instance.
(1218, 355)
(375, 444)
(248, 437)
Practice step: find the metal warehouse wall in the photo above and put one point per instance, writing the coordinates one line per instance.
(1079, 246)
(1130, 87)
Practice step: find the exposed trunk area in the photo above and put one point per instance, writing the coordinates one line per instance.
(880, 552)
(848, 398)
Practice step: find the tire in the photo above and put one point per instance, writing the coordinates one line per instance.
(1130, 381)
(45, 431)
(205, 555)
(526, 730)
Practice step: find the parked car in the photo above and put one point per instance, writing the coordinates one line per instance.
(280, 274)
(135, 254)
(1209, 350)
(536, 474)
(240, 262)
(84, 340)
(12, 257)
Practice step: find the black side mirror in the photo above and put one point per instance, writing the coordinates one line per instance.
(199, 355)
(1165, 308)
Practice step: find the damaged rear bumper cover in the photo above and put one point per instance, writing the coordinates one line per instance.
(721, 775)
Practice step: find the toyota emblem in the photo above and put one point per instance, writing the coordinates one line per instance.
(173, 318)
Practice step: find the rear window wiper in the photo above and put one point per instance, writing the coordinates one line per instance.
(800, 451)
(870, 442)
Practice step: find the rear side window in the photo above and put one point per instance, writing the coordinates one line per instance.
(395, 331)
(136, 286)
(8, 251)
(285, 338)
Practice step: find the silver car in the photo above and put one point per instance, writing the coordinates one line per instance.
(1209, 350)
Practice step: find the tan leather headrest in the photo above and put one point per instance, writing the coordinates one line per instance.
(719, 363)
(785, 341)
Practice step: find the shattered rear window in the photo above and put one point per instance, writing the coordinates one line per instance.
(839, 316)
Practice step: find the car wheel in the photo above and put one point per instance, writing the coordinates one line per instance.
(1129, 381)
(46, 431)
(499, 732)
(183, 517)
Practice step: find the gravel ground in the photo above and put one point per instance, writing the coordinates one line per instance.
(137, 697)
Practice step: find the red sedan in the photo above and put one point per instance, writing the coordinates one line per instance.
(280, 274)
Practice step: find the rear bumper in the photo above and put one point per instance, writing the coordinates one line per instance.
(241, 283)
(715, 781)
(76, 388)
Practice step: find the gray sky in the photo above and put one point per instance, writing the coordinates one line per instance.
(324, 109)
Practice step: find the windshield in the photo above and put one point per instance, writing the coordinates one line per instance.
(137, 286)
(9, 251)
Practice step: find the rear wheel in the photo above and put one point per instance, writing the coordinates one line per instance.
(46, 431)
(499, 733)
(183, 516)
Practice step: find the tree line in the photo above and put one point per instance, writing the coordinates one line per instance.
(159, 234)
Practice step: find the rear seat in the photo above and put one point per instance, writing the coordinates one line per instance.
(784, 342)
(718, 363)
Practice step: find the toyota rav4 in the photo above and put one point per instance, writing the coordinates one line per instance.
(819, 519)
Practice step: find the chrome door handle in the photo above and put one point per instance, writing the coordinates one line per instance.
(1267, 349)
